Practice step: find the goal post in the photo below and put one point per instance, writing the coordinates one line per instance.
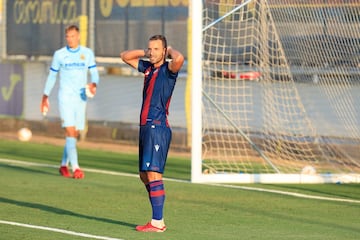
(196, 86)
(275, 91)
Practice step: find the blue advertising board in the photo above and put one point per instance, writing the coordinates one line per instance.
(12, 90)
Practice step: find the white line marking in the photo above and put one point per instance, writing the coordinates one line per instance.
(58, 230)
(16, 162)
(299, 195)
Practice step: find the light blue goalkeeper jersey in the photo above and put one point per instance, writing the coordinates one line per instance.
(73, 66)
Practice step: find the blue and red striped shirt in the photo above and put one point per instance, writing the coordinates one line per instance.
(158, 88)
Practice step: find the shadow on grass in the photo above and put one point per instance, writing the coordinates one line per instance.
(26, 169)
(62, 211)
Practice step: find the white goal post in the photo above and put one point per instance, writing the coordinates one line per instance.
(275, 91)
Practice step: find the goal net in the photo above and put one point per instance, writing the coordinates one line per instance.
(280, 92)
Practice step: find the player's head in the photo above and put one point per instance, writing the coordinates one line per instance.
(157, 49)
(72, 36)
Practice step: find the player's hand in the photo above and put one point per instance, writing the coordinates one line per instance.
(90, 90)
(45, 105)
(168, 52)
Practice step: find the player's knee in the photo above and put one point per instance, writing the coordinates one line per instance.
(71, 132)
(143, 177)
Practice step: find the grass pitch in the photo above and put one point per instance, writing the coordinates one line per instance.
(109, 204)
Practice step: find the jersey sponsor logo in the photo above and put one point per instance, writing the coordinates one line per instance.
(75, 65)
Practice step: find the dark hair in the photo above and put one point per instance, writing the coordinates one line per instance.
(159, 37)
(71, 27)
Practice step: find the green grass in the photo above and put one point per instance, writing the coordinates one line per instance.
(111, 205)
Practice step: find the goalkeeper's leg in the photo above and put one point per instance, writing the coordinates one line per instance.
(64, 171)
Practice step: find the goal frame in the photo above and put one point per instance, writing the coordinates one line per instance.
(197, 175)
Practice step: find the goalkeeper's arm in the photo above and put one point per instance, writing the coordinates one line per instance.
(45, 105)
(91, 87)
(50, 82)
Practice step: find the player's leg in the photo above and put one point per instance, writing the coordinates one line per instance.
(64, 114)
(64, 171)
(79, 112)
(156, 192)
(71, 148)
(154, 148)
(69, 109)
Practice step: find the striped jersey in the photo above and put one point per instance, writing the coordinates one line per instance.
(158, 87)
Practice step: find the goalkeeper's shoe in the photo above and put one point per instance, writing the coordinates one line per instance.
(149, 228)
(78, 174)
(63, 170)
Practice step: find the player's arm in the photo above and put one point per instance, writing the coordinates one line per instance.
(90, 89)
(177, 59)
(95, 79)
(131, 57)
(94, 73)
(50, 82)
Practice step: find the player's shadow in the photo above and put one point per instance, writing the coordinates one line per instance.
(62, 211)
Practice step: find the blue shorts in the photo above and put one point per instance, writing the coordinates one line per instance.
(154, 143)
(72, 111)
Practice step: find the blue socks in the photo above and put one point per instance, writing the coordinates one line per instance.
(157, 198)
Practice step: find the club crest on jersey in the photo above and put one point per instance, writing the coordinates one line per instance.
(147, 72)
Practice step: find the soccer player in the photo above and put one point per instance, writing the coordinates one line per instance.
(155, 133)
(72, 62)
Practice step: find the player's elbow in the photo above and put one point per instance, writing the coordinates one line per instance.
(177, 63)
(122, 55)
(180, 59)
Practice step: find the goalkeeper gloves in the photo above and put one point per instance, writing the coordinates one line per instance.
(90, 90)
(45, 105)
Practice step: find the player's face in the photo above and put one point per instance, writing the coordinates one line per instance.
(72, 38)
(156, 52)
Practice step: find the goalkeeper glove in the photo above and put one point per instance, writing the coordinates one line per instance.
(90, 90)
(45, 105)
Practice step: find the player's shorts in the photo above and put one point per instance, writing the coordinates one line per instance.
(154, 143)
(72, 111)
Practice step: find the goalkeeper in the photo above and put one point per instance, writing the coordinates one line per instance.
(72, 62)
(155, 133)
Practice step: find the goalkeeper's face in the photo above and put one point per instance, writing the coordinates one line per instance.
(156, 52)
(72, 38)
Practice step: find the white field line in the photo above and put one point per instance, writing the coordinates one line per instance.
(16, 162)
(299, 195)
(58, 230)
(293, 194)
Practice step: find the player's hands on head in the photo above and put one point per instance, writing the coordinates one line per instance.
(146, 53)
(168, 52)
(90, 90)
(45, 105)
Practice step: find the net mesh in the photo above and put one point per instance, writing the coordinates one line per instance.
(281, 87)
